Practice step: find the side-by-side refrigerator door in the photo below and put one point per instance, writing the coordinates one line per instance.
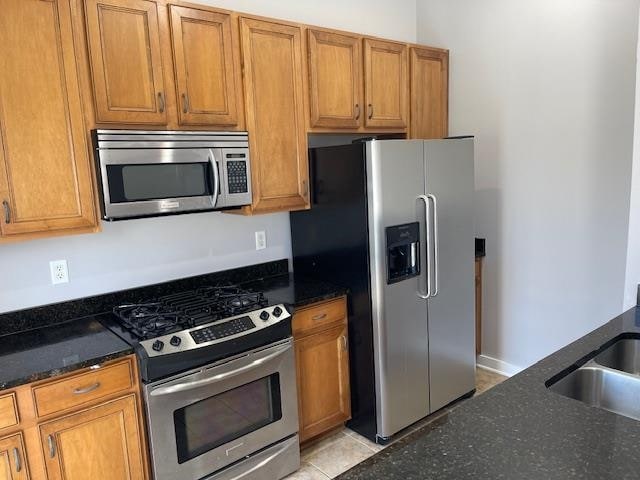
(449, 188)
(395, 181)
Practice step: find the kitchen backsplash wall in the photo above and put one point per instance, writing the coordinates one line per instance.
(137, 252)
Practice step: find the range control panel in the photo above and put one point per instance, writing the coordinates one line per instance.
(216, 332)
(226, 329)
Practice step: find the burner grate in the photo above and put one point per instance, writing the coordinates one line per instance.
(183, 310)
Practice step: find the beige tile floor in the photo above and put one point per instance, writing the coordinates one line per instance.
(336, 454)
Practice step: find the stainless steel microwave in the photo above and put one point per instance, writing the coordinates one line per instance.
(154, 173)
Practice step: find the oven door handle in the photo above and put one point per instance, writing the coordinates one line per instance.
(260, 358)
(216, 177)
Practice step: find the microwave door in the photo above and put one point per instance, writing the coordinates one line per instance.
(148, 182)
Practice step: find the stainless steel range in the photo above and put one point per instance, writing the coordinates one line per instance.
(219, 383)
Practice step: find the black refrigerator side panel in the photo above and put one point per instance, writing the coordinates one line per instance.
(331, 242)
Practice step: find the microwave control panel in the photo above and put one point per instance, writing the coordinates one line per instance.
(237, 177)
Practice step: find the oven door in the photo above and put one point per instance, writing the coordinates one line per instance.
(155, 181)
(203, 421)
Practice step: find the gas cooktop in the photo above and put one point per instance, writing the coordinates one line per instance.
(188, 329)
(185, 310)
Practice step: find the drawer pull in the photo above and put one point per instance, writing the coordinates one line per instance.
(52, 446)
(7, 211)
(90, 388)
(321, 316)
(16, 459)
(161, 102)
(344, 342)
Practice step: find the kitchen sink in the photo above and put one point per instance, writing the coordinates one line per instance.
(623, 355)
(602, 387)
(610, 380)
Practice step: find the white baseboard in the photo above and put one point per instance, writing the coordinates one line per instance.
(497, 366)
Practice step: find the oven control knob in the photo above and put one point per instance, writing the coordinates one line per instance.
(277, 312)
(264, 316)
(175, 341)
(158, 345)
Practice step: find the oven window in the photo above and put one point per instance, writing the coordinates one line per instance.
(217, 420)
(131, 183)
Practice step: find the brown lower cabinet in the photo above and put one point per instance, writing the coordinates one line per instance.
(97, 434)
(12, 465)
(322, 367)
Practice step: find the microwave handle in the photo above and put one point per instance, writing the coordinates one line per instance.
(216, 177)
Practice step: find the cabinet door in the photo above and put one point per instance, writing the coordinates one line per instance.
(429, 101)
(101, 443)
(273, 79)
(386, 84)
(335, 79)
(124, 50)
(13, 464)
(322, 363)
(45, 174)
(205, 67)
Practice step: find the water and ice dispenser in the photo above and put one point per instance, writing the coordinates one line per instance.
(403, 252)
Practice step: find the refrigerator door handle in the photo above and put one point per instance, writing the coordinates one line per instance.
(427, 209)
(436, 242)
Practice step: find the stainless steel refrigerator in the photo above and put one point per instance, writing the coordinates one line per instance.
(392, 220)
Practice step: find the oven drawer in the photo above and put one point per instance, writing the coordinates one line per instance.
(80, 389)
(318, 316)
(8, 411)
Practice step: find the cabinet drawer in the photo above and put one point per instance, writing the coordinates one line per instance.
(319, 315)
(8, 411)
(81, 389)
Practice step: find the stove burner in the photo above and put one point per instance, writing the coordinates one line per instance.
(180, 311)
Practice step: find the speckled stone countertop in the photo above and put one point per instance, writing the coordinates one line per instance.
(296, 291)
(50, 351)
(46, 341)
(521, 430)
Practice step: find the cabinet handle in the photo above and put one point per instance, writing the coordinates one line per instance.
(344, 343)
(52, 446)
(305, 189)
(370, 111)
(321, 316)
(90, 388)
(16, 459)
(185, 103)
(161, 102)
(7, 211)
(357, 111)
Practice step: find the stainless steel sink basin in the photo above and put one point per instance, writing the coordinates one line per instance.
(623, 355)
(603, 387)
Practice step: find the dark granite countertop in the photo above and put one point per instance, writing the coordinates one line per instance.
(46, 341)
(296, 290)
(521, 430)
(53, 350)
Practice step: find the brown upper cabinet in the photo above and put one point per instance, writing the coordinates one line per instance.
(45, 172)
(275, 114)
(429, 93)
(335, 79)
(126, 62)
(386, 84)
(205, 70)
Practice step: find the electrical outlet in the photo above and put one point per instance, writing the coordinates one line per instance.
(59, 272)
(261, 240)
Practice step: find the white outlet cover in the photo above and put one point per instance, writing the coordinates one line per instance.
(59, 272)
(261, 240)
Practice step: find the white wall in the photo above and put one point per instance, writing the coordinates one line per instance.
(547, 86)
(633, 246)
(382, 18)
(139, 252)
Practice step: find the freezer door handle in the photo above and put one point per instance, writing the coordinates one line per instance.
(436, 242)
(427, 209)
